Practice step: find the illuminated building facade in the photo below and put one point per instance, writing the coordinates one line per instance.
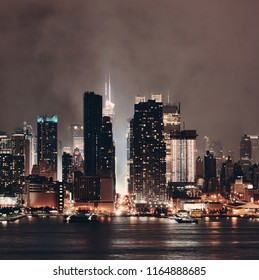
(139, 98)
(157, 97)
(30, 148)
(183, 157)
(47, 143)
(109, 106)
(12, 159)
(147, 153)
(18, 153)
(6, 172)
(67, 170)
(171, 118)
(77, 138)
(78, 161)
(41, 192)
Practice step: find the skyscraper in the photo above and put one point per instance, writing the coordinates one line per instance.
(147, 153)
(97, 184)
(18, 153)
(183, 157)
(107, 148)
(92, 128)
(30, 148)
(77, 138)
(217, 151)
(108, 109)
(211, 182)
(107, 161)
(227, 175)
(47, 145)
(6, 172)
(67, 170)
(254, 148)
(11, 163)
(171, 118)
(245, 154)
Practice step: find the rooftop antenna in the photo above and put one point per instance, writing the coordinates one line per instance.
(168, 97)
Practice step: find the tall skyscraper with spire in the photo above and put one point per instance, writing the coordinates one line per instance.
(97, 184)
(109, 106)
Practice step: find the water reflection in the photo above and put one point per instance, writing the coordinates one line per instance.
(130, 238)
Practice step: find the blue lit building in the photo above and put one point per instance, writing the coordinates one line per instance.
(47, 144)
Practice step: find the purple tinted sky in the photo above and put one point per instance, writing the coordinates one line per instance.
(205, 53)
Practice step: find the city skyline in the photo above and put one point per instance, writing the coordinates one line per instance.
(52, 52)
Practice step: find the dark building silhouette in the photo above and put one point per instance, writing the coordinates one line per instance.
(238, 171)
(107, 160)
(245, 155)
(253, 174)
(227, 175)
(88, 189)
(47, 144)
(210, 177)
(199, 168)
(107, 148)
(92, 129)
(130, 157)
(98, 181)
(217, 151)
(147, 153)
(67, 171)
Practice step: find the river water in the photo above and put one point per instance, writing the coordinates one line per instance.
(129, 238)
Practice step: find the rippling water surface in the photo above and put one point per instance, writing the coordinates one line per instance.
(129, 238)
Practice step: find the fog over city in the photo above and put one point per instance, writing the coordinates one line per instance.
(202, 53)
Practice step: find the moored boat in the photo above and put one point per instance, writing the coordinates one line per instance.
(81, 217)
(184, 218)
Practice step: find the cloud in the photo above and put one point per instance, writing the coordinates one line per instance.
(205, 53)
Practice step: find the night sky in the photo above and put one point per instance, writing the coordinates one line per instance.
(204, 53)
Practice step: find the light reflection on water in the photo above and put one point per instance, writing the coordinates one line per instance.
(130, 238)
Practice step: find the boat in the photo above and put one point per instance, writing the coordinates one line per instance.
(81, 217)
(184, 218)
